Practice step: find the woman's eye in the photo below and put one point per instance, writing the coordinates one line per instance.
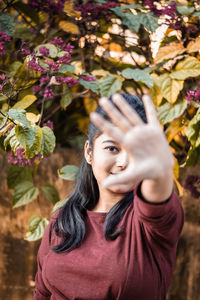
(111, 149)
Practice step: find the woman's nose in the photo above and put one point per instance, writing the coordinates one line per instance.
(122, 160)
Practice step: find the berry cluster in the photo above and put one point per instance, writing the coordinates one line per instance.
(95, 12)
(3, 39)
(47, 6)
(192, 184)
(168, 11)
(193, 96)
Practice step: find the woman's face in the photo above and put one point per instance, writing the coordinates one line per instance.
(107, 158)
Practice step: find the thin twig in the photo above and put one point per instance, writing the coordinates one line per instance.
(7, 117)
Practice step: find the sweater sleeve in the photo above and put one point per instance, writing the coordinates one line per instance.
(163, 221)
(41, 292)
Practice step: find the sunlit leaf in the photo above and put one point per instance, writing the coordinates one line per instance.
(25, 102)
(50, 192)
(170, 51)
(30, 139)
(69, 27)
(189, 67)
(14, 67)
(185, 10)
(149, 21)
(193, 130)
(53, 51)
(194, 46)
(48, 141)
(36, 228)
(90, 85)
(170, 88)
(138, 75)
(24, 192)
(110, 85)
(68, 172)
(18, 115)
(168, 112)
(69, 9)
(155, 90)
(193, 156)
(90, 105)
(66, 68)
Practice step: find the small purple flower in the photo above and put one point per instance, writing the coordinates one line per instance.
(25, 51)
(2, 77)
(64, 59)
(48, 93)
(69, 80)
(49, 124)
(193, 96)
(2, 48)
(192, 184)
(44, 51)
(87, 78)
(52, 66)
(44, 80)
(1, 87)
(34, 66)
(69, 48)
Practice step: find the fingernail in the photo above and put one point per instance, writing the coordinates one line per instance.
(103, 100)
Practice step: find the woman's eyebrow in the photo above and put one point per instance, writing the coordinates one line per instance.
(109, 141)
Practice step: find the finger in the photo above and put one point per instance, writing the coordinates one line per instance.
(127, 110)
(115, 115)
(151, 113)
(106, 127)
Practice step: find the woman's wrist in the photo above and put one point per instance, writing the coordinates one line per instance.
(159, 189)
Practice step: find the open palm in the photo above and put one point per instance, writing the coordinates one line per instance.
(149, 156)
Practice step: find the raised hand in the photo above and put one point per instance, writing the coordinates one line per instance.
(149, 156)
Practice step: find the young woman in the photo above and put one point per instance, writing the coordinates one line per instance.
(116, 237)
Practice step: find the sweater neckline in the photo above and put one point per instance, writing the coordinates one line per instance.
(95, 214)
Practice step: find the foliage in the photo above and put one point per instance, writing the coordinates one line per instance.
(58, 57)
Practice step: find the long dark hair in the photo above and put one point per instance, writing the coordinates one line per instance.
(70, 224)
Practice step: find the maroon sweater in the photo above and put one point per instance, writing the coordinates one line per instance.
(138, 265)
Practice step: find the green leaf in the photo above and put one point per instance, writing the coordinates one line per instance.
(48, 141)
(25, 102)
(25, 9)
(193, 130)
(24, 192)
(138, 75)
(36, 228)
(30, 139)
(68, 172)
(130, 20)
(53, 51)
(17, 174)
(149, 21)
(59, 204)
(50, 192)
(168, 112)
(66, 68)
(9, 135)
(3, 98)
(14, 143)
(109, 85)
(90, 85)
(185, 10)
(66, 98)
(14, 68)
(193, 157)
(7, 23)
(3, 121)
(18, 115)
(189, 67)
(22, 32)
(196, 14)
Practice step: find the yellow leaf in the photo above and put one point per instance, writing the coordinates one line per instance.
(176, 168)
(32, 117)
(69, 10)
(78, 67)
(170, 87)
(189, 67)
(169, 51)
(194, 46)
(90, 105)
(115, 47)
(175, 127)
(69, 27)
(155, 91)
(83, 124)
(25, 102)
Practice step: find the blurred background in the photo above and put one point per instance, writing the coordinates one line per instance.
(56, 59)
